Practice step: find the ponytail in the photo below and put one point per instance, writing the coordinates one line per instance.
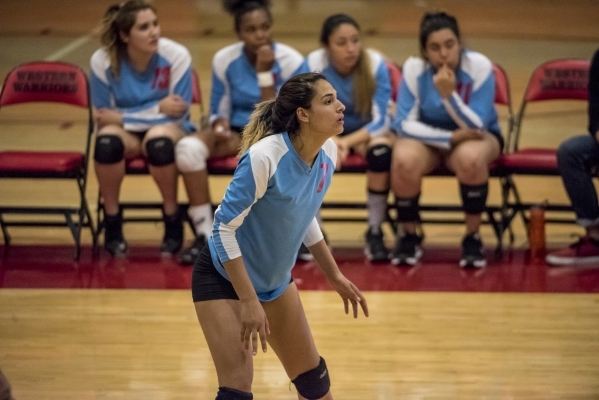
(364, 85)
(260, 125)
(109, 38)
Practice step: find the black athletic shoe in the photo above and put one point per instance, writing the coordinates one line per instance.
(173, 234)
(189, 255)
(114, 242)
(472, 252)
(407, 249)
(375, 249)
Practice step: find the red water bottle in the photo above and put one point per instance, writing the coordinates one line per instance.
(536, 231)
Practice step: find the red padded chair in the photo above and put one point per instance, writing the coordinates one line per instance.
(49, 82)
(556, 80)
(139, 166)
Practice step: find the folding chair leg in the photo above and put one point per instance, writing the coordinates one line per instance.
(75, 232)
(518, 206)
(508, 213)
(4, 231)
(498, 230)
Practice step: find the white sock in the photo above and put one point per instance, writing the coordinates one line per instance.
(202, 218)
(377, 209)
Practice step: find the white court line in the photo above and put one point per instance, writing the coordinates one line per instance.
(74, 45)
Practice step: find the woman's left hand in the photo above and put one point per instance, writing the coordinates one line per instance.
(173, 105)
(107, 116)
(350, 294)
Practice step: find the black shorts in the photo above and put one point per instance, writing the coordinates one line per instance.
(207, 283)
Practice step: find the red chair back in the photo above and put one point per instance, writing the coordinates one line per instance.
(46, 82)
(502, 87)
(395, 77)
(565, 79)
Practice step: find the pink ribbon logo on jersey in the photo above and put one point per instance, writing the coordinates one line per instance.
(325, 168)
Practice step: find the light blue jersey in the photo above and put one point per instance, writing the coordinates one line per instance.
(269, 208)
(136, 95)
(378, 121)
(423, 115)
(235, 91)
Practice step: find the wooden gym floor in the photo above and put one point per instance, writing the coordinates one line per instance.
(100, 329)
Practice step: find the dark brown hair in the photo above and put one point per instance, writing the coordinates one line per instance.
(120, 18)
(432, 22)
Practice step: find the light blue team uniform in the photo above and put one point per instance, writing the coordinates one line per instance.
(136, 95)
(423, 115)
(235, 91)
(268, 209)
(378, 122)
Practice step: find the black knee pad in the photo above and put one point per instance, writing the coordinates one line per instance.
(109, 149)
(408, 208)
(225, 393)
(315, 383)
(474, 197)
(160, 151)
(378, 158)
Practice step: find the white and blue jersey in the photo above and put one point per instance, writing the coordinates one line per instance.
(378, 121)
(235, 91)
(136, 94)
(268, 209)
(423, 115)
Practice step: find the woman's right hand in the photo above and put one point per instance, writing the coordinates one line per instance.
(173, 105)
(462, 134)
(221, 128)
(253, 324)
(265, 58)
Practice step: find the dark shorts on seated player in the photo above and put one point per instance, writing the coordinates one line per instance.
(207, 283)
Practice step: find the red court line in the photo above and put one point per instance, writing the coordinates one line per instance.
(53, 267)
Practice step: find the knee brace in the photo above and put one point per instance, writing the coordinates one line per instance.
(474, 197)
(315, 383)
(378, 158)
(191, 154)
(160, 151)
(408, 208)
(225, 393)
(109, 149)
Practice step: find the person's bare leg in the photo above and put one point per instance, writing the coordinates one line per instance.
(290, 336)
(220, 322)
(411, 161)
(470, 161)
(165, 176)
(110, 176)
